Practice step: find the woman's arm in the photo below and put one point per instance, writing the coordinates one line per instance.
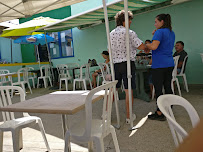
(153, 46)
(141, 47)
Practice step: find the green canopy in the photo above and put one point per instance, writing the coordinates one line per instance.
(96, 15)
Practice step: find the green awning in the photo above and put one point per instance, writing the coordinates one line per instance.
(96, 15)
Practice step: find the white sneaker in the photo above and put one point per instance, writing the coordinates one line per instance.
(128, 120)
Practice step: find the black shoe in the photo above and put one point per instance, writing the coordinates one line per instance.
(155, 116)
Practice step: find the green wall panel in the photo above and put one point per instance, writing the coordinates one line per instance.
(28, 53)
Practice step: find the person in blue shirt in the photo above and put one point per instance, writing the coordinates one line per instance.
(162, 59)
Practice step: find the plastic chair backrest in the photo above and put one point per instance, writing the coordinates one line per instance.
(164, 103)
(87, 73)
(73, 65)
(184, 65)
(104, 72)
(24, 72)
(4, 71)
(5, 100)
(46, 70)
(107, 106)
(63, 70)
(30, 74)
(176, 58)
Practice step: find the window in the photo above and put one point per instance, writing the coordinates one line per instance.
(63, 45)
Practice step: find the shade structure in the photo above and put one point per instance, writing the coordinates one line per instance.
(96, 15)
(24, 28)
(13, 9)
(107, 12)
(34, 39)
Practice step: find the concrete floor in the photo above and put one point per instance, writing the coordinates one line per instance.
(153, 136)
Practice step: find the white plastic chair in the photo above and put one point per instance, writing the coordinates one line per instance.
(3, 79)
(164, 103)
(83, 78)
(44, 75)
(64, 75)
(74, 65)
(24, 80)
(105, 73)
(32, 76)
(95, 130)
(16, 125)
(174, 75)
(183, 75)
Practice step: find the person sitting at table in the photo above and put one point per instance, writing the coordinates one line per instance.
(146, 51)
(181, 52)
(105, 55)
(145, 55)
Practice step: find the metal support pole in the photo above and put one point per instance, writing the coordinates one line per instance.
(11, 51)
(49, 57)
(128, 59)
(111, 62)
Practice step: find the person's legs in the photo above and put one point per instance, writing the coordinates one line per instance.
(178, 70)
(94, 81)
(158, 79)
(167, 80)
(133, 85)
(127, 102)
(151, 89)
(150, 83)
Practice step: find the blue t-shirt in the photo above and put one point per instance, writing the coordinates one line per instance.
(162, 57)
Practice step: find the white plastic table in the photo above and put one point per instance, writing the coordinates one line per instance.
(6, 75)
(59, 102)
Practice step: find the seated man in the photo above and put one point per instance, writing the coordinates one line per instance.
(146, 51)
(180, 51)
(145, 55)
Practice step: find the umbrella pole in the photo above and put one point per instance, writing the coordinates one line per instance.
(11, 51)
(38, 58)
(128, 60)
(49, 57)
(111, 62)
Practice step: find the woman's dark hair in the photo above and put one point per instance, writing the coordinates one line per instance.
(167, 20)
(148, 41)
(120, 17)
(105, 52)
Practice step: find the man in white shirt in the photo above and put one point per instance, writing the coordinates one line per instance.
(119, 54)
